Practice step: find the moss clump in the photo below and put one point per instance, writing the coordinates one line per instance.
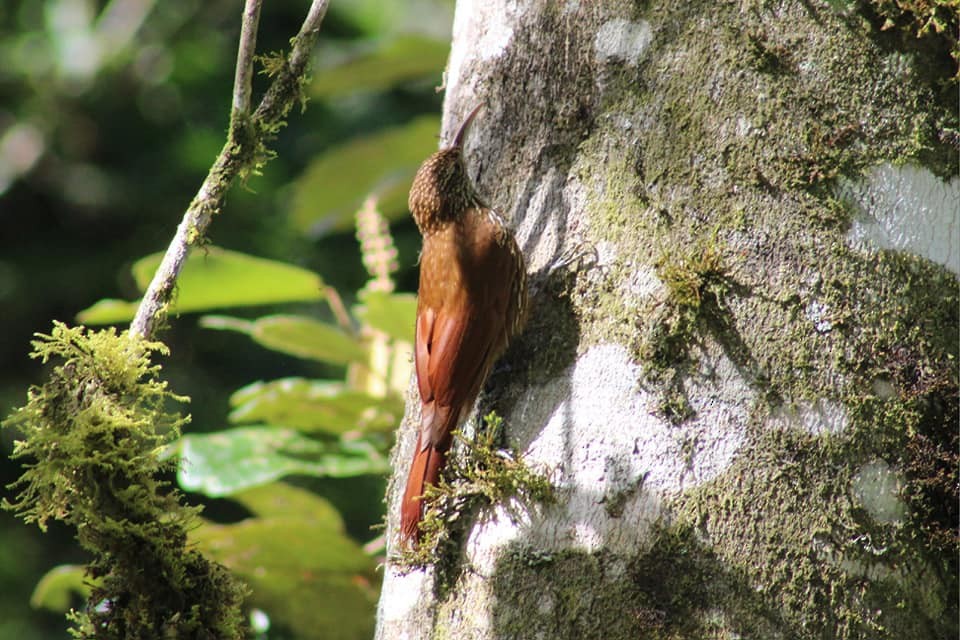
(94, 433)
(483, 474)
(922, 18)
(696, 284)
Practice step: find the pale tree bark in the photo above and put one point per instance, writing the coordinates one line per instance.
(748, 405)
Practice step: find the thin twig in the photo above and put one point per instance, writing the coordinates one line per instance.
(339, 310)
(243, 80)
(239, 154)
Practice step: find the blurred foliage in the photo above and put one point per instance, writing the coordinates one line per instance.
(215, 278)
(307, 574)
(110, 114)
(383, 164)
(303, 568)
(379, 65)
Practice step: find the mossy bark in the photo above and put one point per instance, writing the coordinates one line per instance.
(750, 414)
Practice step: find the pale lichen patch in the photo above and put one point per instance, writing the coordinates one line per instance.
(906, 208)
(622, 40)
(623, 459)
(822, 416)
(877, 488)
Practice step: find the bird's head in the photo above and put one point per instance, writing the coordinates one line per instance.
(442, 189)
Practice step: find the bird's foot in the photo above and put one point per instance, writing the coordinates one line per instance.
(583, 255)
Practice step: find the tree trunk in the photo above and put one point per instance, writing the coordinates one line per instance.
(749, 403)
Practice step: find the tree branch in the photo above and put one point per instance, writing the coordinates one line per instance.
(244, 148)
(243, 80)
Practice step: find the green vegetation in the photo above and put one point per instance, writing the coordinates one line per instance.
(310, 369)
(92, 433)
(478, 473)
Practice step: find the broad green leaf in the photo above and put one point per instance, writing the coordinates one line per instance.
(314, 405)
(393, 313)
(214, 278)
(283, 542)
(108, 311)
(295, 335)
(311, 579)
(279, 499)
(378, 17)
(328, 193)
(57, 586)
(225, 462)
(386, 64)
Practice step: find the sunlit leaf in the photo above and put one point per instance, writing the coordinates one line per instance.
(282, 499)
(214, 278)
(385, 64)
(295, 335)
(108, 311)
(393, 313)
(307, 576)
(379, 17)
(225, 462)
(314, 405)
(59, 585)
(328, 193)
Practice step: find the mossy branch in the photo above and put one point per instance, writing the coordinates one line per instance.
(93, 433)
(244, 152)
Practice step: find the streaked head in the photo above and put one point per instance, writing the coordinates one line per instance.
(441, 190)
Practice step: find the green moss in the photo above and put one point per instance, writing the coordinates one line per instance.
(835, 104)
(921, 19)
(93, 434)
(481, 473)
(696, 283)
(724, 188)
(677, 588)
(826, 567)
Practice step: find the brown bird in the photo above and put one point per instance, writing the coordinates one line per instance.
(472, 300)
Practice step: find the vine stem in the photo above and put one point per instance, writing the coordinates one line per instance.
(247, 134)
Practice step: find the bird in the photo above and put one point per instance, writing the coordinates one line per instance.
(471, 301)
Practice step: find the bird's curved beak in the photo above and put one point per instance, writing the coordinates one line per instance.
(458, 139)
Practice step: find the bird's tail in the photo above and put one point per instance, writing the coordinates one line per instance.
(425, 471)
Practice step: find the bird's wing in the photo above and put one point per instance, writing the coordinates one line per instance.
(459, 334)
(421, 357)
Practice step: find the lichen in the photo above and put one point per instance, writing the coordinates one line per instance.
(93, 434)
(711, 162)
(822, 563)
(737, 159)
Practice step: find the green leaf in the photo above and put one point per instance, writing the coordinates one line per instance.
(376, 17)
(223, 463)
(108, 311)
(57, 586)
(295, 335)
(328, 193)
(214, 278)
(307, 576)
(388, 63)
(393, 313)
(315, 405)
(279, 499)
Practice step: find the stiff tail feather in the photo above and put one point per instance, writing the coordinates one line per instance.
(425, 471)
